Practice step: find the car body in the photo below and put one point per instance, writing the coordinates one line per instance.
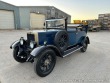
(42, 46)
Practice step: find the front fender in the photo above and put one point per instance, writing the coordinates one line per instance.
(36, 52)
(13, 45)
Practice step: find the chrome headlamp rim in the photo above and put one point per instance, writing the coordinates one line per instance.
(32, 45)
(21, 41)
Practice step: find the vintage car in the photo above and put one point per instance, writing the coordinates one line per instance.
(42, 46)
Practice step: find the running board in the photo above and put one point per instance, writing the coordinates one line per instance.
(72, 50)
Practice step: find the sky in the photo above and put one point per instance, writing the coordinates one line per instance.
(78, 9)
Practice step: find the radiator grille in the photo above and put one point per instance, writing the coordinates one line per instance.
(30, 37)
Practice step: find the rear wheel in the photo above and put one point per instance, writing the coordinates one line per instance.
(85, 45)
(19, 56)
(45, 62)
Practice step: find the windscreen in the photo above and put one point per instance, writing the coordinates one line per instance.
(55, 23)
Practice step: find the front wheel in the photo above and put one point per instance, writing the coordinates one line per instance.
(45, 62)
(19, 56)
(85, 45)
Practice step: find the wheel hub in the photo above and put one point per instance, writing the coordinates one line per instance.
(47, 62)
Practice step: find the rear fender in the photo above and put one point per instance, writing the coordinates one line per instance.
(85, 38)
(13, 45)
(37, 51)
(88, 41)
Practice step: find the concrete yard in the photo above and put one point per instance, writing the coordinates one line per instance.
(92, 66)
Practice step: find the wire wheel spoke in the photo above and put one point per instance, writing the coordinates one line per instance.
(62, 41)
(46, 63)
(61, 44)
(64, 37)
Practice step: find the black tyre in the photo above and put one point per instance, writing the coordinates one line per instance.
(85, 45)
(45, 62)
(61, 40)
(19, 56)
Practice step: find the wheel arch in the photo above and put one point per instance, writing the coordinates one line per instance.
(15, 44)
(57, 51)
(85, 38)
(36, 52)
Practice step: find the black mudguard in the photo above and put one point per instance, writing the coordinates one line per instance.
(88, 41)
(16, 43)
(36, 52)
(85, 38)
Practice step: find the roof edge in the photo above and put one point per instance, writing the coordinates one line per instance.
(8, 3)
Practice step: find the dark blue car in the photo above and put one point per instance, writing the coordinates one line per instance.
(42, 46)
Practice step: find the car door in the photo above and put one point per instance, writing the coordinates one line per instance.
(80, 34)
(72, 36)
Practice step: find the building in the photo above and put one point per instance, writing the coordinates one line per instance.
(9, 16)
(27, 17)
(104, 20)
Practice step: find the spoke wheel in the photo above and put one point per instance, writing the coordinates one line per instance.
(61, 40)
(19, 56)
(44, 64)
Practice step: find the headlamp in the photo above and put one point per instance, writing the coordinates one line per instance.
(45, 42)
(21, 40)
(32, 44)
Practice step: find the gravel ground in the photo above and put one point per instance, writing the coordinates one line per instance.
(92, 66)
